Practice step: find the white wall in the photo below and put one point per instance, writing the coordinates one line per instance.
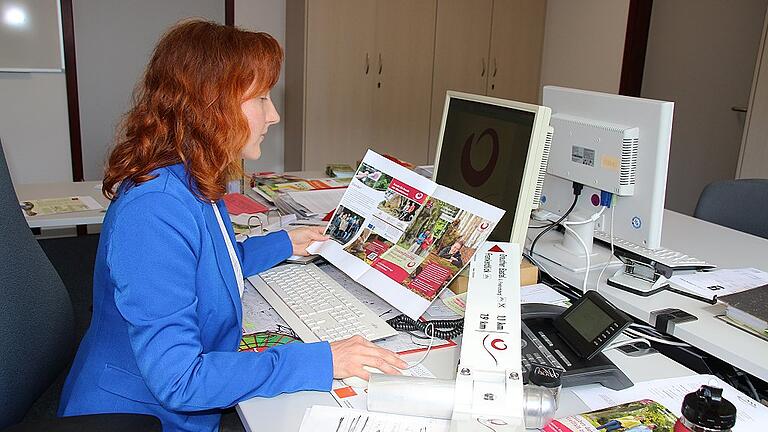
(717, 43)
(584, 44)
(34, 127)
(267, 16)
(114, 39)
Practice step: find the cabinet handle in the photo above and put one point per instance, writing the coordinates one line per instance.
(482, 62)
(742, 109)
(380, 64)
(494, 68)
(367, 63)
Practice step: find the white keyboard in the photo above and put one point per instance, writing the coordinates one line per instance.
(317, 307)
(669, 260)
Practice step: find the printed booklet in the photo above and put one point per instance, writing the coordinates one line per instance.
(640, 416)
(403, 236)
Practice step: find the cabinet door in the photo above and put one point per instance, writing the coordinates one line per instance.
(339, 70)
(461, 54)
(517, 41)
(405, 37)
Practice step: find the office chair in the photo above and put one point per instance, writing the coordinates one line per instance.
(37, 340)
(738, 204)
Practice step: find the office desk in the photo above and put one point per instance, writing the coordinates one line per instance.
(285, 412)
(718, 245)
(59, 190)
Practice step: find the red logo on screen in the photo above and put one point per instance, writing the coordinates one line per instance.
(472, 176)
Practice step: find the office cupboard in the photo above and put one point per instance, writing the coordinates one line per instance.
(373, 73)
(489, 47)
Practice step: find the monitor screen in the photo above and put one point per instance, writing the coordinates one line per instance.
(483, 154)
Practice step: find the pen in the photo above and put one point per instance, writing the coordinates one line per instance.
(365, 423)
(339, 426)
(307, 224)
(352, 424)
(693, 296)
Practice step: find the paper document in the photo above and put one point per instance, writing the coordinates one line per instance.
(457, 303)
(331, 419)
(540, 293)
(441, 310)
(720, 282)
(402, 235)
(536, 293)
(750, 414)
(49, 206)
(262, 325)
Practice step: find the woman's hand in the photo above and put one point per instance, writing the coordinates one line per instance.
(304, 236)
(350, 355)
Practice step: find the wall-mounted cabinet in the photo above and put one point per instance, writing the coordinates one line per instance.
(361, 80)
(489, 47)
(373, 73)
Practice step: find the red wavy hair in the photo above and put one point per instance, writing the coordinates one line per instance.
(187, 107)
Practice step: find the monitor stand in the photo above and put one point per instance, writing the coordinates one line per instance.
(566, 250)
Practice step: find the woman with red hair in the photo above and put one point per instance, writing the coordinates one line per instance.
(169, 274)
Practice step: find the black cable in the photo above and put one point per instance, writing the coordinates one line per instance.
(577, 188)
(444, 329)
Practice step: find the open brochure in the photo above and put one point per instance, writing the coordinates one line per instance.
(403, 236)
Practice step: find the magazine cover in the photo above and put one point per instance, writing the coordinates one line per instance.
(640, 416)
(403, 236)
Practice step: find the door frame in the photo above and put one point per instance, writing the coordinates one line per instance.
(70, 72)
(635, 46)
(761, 52)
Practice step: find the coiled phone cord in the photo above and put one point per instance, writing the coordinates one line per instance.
(443, 329)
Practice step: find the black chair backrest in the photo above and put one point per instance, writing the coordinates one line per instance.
(36, 321)
(738, 204)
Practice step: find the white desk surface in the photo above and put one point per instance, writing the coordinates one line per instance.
(285, 412)
(59, 190)
(718, 245)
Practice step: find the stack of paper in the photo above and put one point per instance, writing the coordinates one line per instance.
(750, 309)
(721, 282)
(321, 201)
(270, 185)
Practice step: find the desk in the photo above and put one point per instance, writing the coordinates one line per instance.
(285, 412)
(63, 189)
(718, 245)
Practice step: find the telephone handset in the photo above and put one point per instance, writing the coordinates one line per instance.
(572, 339)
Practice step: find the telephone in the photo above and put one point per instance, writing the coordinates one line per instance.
(572, 339)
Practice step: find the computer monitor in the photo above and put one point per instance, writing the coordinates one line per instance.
(610, 143)
(493, 149)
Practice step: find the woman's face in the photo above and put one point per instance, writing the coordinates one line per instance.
(261, 114)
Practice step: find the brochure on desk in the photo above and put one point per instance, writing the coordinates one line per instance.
(403, 236)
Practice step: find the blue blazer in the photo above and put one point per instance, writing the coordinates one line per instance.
(167, 315)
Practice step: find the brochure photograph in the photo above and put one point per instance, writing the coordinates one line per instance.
(403, 236)
(640, 416)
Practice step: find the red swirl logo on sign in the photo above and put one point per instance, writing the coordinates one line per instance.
(498, 344)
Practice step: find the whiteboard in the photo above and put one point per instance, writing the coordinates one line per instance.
(31, 36)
